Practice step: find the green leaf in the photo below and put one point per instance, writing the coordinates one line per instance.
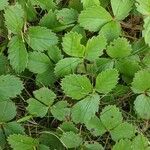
(119, 48)
(10, 87)
(123, 131)
(93, 18)
(89, 3)
(143, 6)
(18, 142)
(71, 44)
(14, 18)
(40, 38)
(121, 8)
(55, 53)
(60, 110)
(72, 84)
(85, 109)
(71, 140)
(95, 47)
(111, 117)
(4, 65)
(67, 16)
(123, 145)
(140, 143)
(93, 146)
(106, 81)
(142, 106)
(39, 62)
(141, 82)
(7, 111)
(67, 66)
(3, 4)
(18, 55)
(95, 126)
(40, 105)
(111, 30)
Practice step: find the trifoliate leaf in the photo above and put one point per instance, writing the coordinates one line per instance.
(39, 62)
(71, 44)
(67, 66)
(40, 105)
(85, 109)
(40, 38)
(119, 48)
(14, 18)
(111, 30)
(7, 111)
(123, 145)
(123, 131)
(67, 16)
(95, 47)
(47, 78)
(121, 8)
(3, 4)
(18, 55)
(55, 53)
(49, 138)
(10, 87)
(143, 7)
(18, 142)
(111, 117)
(93, 146)
(106, 81)
(142, 106)
(140, 143)
(95, 126)
(89, 3)
(60, 110)
(93, 18)
(72, 84)
(141, 82)
(36, 108)
(71, 140)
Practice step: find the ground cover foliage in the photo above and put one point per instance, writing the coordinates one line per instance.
(74, 74)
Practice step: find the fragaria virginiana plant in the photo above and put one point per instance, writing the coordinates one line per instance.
(74, 74)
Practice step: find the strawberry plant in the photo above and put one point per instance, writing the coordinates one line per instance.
(74, 74)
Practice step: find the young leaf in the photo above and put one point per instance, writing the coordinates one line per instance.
(71, 44)
(93, 18)
(72, 84)
(119, 48)
(95, 126)
(89, 3)
(111, 117)
(121, 8)
(111, 30)
(60, 110)
(7, 111)
(10, 87)
(93, 146)
(3, 4)
(106, 81)
(14, 18)
(123, 131)
(142, 106)
(95, 47)
(71, 140)
(18, 142)
(67, 16)
(85, 109)
(123, 145)
(39, 62)
(18, 55)
(141, 82)
(40, 38)
(67, 66)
